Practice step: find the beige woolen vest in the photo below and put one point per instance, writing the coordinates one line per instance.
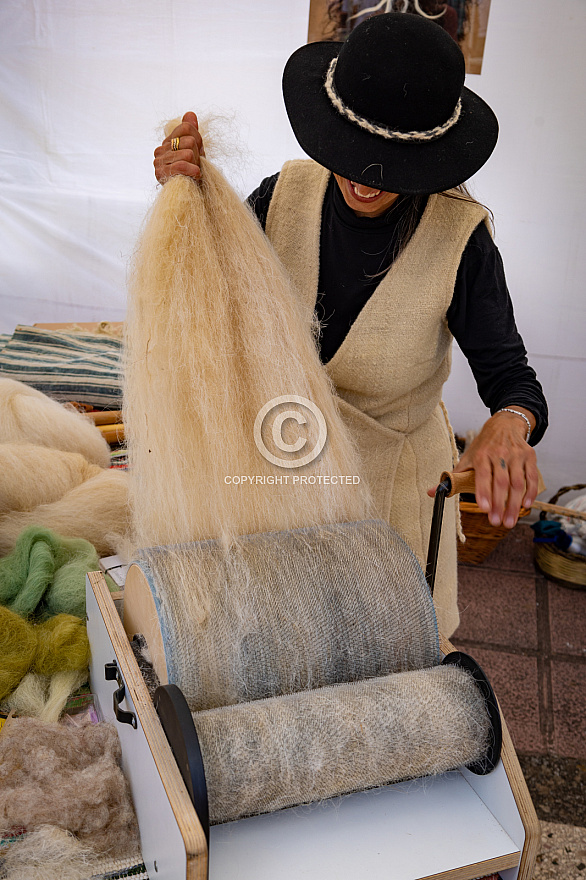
(390, 369)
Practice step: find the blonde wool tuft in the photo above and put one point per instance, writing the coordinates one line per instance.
(33, 475)
(45, 697)
(96, 510)
(29, 416)
(214, 332)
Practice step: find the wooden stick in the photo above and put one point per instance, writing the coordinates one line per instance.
(557, 508)
(110, 417)
(112, 433)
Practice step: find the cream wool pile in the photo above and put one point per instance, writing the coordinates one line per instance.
(95, 509)
(53, 854)
(43, 696)
(33, 475)
(214, 333)
(54, 472)
(29, 416)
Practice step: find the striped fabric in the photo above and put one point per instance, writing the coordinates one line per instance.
(66, 365)
(120, 870)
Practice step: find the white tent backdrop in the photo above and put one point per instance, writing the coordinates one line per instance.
(85, 86)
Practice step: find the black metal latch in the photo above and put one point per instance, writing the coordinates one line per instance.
(112, 673)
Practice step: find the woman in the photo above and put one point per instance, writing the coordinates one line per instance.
(397, 262)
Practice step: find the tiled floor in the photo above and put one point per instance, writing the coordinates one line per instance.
(562, 854)
(529, 635)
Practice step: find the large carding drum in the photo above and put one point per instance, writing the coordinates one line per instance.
(282, 612)
(269, 754)
(310, 662)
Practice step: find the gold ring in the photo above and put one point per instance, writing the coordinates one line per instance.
(175, 144)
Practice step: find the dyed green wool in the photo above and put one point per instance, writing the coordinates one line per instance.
(63, 645)
(18, 646)
(57, 646)
(45, 574)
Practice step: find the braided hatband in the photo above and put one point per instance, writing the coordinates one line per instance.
(409, 136)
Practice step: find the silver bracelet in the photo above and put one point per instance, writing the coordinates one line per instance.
(523, 416)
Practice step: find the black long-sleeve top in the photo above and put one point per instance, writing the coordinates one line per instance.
(356, 252)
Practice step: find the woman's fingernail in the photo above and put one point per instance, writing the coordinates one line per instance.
(494, 519)
(482, 503)
(509, 522)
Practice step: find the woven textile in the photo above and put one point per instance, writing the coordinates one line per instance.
(67, 366)
(269, 754)
(286, 611)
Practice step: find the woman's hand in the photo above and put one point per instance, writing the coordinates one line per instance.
(505, 467)
(185, 158)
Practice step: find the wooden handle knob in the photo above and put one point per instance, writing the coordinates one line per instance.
(466, 482)
(463, 482)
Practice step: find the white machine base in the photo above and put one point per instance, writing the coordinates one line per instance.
(456, 826)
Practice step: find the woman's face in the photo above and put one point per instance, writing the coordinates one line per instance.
(365, 201)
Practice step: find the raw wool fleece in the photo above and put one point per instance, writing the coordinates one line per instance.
(71, 778)
(268, 754)
(33, 475)
(214, 333)
(53, 854)
(96, 510)
(29, 416)
(45, 574)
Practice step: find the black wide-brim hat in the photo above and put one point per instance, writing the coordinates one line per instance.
(370, 109)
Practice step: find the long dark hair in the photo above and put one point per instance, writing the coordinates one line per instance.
(412, 215)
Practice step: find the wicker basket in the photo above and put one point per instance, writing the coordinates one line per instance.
(567, 569)
(481, 536)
